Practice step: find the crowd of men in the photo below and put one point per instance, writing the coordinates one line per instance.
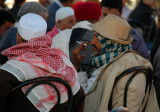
(89, 45)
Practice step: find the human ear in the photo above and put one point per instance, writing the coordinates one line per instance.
(19, 41)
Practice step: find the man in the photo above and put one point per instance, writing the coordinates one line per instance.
(52, 11)
(143, 14)
(112, 55)
(7, 20)
(17, 5)
(10, 38)
(115, 7)
(44, 2)
(65, 19)
(68, 40)
(31, 58)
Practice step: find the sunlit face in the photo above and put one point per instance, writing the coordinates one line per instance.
(66, 23)
(96, 45)
(5, 27)
(106, 11)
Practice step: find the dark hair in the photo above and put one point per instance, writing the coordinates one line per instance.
(64, 1)
(116, 4)
(6, 16)
(19, 1)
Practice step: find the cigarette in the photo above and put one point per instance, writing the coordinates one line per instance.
(81, 43)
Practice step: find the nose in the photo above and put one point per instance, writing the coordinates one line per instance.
(92, 41)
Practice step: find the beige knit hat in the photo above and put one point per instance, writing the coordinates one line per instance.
(114, 28)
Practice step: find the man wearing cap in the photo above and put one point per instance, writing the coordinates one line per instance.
(115, 7)
(68, 40)
(31, 58)
(52, 11)
(64, 20)
(112, 55)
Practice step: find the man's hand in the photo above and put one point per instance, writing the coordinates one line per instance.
(77, 59)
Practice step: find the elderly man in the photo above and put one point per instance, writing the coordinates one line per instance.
(64, 20)
(10, 38)
(52, 11)
(68, 40)
(112, 55)
(31, 58)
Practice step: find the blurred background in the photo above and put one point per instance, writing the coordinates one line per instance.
(131, 4)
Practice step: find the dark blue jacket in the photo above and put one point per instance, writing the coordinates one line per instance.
(9, 40)
(51, 16)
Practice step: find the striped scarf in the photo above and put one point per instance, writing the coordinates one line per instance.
(109, 50)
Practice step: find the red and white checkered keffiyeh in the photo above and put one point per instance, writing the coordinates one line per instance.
(45, 61)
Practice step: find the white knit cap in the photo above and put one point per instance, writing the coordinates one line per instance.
(31, 25)
(63, 13)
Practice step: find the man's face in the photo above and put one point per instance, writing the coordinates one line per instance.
(66, 23)
(5, 27)
(69, 3)
(106, 11)
(44, 2)
(150, 3)
(96, 45)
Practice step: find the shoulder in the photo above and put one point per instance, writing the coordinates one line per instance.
(131, 59)
(53, 7)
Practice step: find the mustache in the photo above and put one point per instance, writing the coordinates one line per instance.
(93, 45)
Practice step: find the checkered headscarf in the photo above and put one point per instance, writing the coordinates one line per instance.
(44, 61)
(109, 50)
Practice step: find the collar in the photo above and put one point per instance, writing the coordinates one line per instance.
(58, 29)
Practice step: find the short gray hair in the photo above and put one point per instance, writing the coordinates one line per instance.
(30, 7)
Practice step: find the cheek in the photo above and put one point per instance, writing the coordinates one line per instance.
(99, 48)
(68, 25)
(3, 30)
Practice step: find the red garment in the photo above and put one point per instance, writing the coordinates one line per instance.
(45, 61)
(53, 32)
